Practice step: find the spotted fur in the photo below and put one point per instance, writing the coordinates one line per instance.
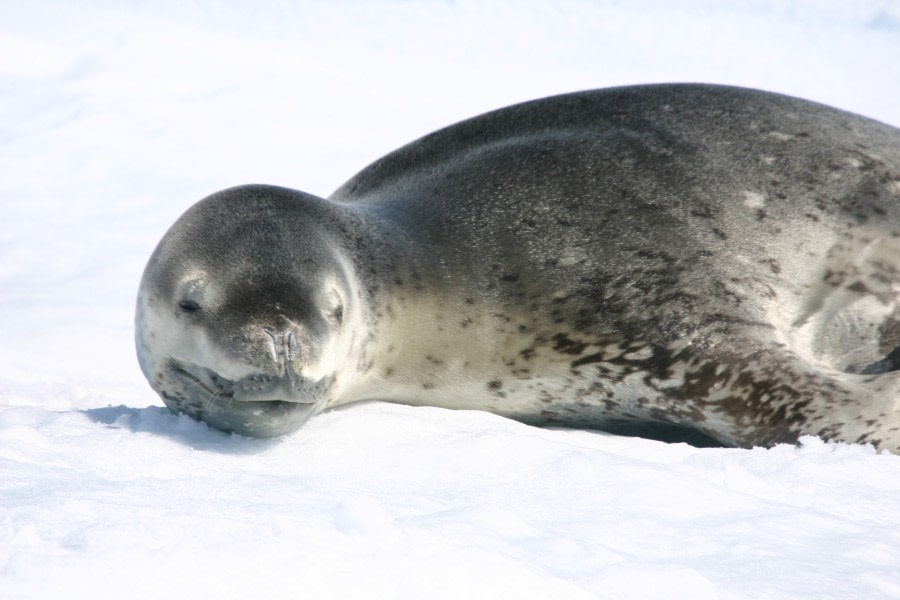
(712, 258)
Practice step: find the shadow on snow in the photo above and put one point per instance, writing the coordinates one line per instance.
(181, 428)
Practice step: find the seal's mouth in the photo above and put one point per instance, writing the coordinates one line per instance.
(258, 405)
(253, 388)
(208, 381)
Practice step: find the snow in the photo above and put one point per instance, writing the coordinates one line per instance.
(115, 117)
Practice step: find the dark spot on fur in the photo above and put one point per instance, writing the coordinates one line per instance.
(495, 384)
(833, 278)
(858, 287)
(772, 264)
(561, 343)
(584, 360)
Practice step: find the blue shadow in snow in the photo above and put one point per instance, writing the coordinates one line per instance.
(181, 428)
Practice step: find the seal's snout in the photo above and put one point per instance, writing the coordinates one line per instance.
(283, 346)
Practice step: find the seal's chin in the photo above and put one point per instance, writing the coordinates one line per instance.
(255, 406)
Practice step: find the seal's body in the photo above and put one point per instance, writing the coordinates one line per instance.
(715, 258)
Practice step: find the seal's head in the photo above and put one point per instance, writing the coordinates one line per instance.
(243, 309)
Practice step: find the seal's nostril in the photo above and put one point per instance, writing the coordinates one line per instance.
(291, 346)
(283, 345)
(274, 345)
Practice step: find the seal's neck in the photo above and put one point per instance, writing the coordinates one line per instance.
(402, 332)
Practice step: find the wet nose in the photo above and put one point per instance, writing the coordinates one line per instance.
(284, 346)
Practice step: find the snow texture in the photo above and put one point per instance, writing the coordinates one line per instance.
(115, 117)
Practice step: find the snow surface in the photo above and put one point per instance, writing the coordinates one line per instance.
(115, 117)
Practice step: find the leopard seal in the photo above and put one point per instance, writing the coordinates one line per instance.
(717, 258)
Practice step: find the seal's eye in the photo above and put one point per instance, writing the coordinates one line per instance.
(338, 314)
(188, 306)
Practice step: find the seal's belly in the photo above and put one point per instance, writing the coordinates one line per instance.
(473, 356)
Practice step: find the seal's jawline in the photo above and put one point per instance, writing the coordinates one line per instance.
(228, 395)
